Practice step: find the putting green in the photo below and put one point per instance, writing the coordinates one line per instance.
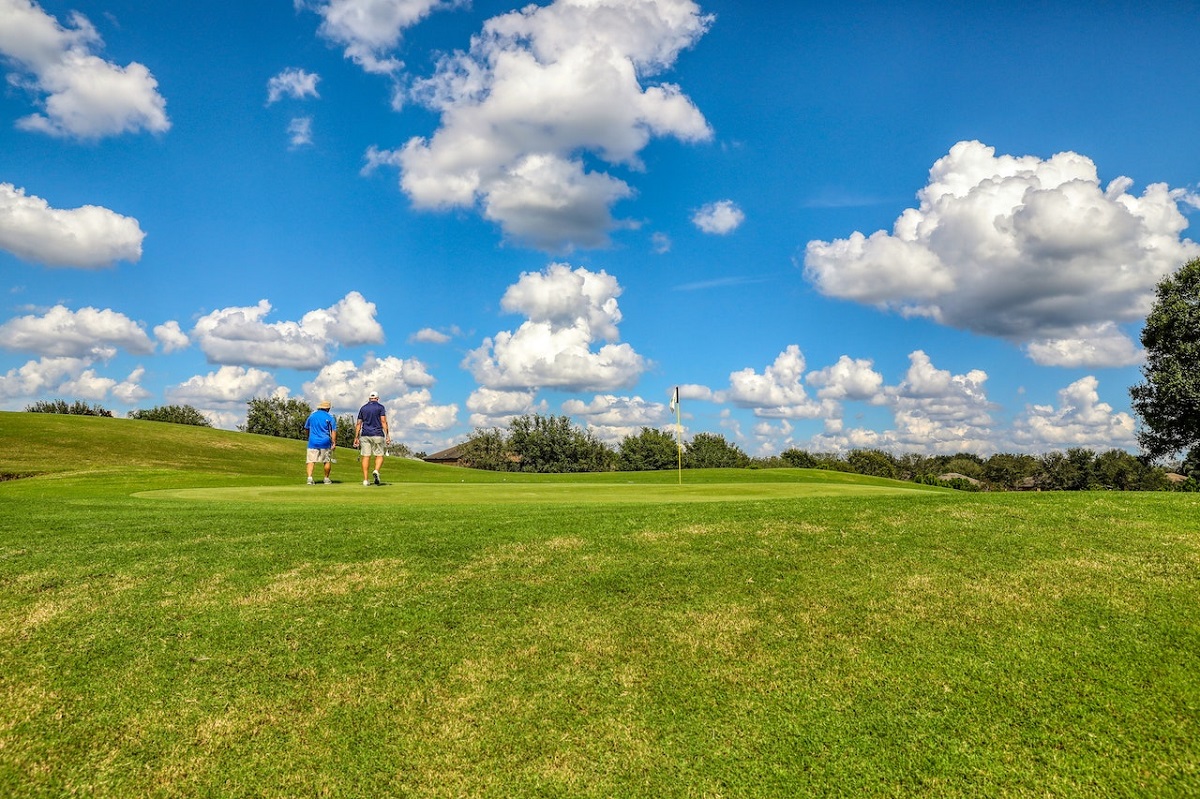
(516, 493)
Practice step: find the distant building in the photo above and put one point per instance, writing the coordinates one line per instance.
(452, 456)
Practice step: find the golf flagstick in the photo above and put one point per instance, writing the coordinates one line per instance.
(678, 432)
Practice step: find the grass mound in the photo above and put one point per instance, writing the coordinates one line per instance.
(166, 460)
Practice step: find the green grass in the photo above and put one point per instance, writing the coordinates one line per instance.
(179, 617)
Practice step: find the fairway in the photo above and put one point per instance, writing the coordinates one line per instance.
(504, 493)
(199, 622)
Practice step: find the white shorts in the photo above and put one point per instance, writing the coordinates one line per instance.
(370, 445)
(318, 455)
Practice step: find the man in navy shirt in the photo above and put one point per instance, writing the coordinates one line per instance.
(371, 430)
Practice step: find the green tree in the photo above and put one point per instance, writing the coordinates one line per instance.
(799, 459)
(488, 449)
(649, 450)
(1118, 470)
(175, 414)
(345, 430)
(966, 464)
(277, 416)
(712, 451)
(1006, 471)
(873, 462)
(554, 444)
(1168, 402)
(75, 408)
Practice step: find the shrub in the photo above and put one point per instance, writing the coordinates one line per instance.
(75, 408)
(176, 414)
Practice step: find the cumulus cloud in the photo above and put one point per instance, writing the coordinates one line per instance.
(848, 379)
(88, 385)
(938, 411)
(493, 408)
(370, 30)
(538, 89)
(719, 218)
(227, 389)
(40, 377)
(427, 335)
(293, 83)
(1034, 251)
(171, 337)
(776, 393)
(403, 388)
(1080, 420)
(612, 419)
(70, 376)
(933, 409)
(85, 237)
(567, 312)
(660, 243)
(238, 335)
(80, 94)
(86, 333)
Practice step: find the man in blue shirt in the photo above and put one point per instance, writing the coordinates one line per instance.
(322, 438)
(371, 429)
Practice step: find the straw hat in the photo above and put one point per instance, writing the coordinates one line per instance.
(324, 405)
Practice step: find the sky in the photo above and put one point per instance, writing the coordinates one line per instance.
(911, 226)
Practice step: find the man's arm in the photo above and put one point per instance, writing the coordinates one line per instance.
(386, 435)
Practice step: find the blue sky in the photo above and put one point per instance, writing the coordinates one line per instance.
(896, 225)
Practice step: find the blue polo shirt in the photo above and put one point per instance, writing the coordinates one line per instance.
(320, 426)
(371, 415)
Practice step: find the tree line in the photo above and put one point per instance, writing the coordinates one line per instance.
(537, 443)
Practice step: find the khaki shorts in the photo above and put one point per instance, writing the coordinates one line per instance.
(370, 445)
(318, 455)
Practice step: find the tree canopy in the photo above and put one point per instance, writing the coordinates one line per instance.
(1168, 402)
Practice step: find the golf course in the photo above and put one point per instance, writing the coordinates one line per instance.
(181, 616)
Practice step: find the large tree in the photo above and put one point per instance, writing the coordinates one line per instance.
(277, 416)
(1169, 401)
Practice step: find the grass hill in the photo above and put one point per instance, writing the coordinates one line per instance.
(165, 455)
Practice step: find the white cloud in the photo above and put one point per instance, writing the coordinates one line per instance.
(567, 311)
(86, 333)
(84, 95)
(1081, 420)
(41, 377)
(492, 408)
(294, 83)
(848, 379)
(660, 243)
(71, 378)
(538, 89)
(86, 237)
(720, 218)
(612, 419)
(371, 29)
(130, 391)
(88, 385)
(1095, 344)
(238, 335)
(171, 337)
(1030, 250)
(299, 132)
(427, 335)
(226, 388)
(776, 393)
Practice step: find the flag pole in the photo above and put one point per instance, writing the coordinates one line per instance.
(678, 432)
